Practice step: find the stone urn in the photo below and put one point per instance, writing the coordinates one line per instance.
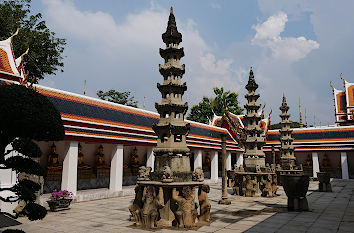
(295, 187)
(324, 182)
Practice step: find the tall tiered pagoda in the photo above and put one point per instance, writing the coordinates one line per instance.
(287, 158)
(171, 149)
(256, 178)
(166, 197)
(254, 140)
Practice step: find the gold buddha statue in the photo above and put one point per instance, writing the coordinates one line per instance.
(80, 159)
(308, 162)
(100, 158)
(326, 164)
(53, 158)
(206, 165)
(134, 161)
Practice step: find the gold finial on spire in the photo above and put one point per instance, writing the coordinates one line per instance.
(171, 10)
(330, 83)
(300, 115)
(305, 119)
(15, 34)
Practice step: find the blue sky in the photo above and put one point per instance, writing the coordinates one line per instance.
(295, 47)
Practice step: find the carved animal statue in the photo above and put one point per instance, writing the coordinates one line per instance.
(198, 174)
(243, 186)
(241, 168)
(186, 211)
(251, 186)
(237, 185)
(267, 186)
(144, 173)
(204, 203)
(167, 174)
(135, 208)
(274, 185)
(151, 206)
(258, 169)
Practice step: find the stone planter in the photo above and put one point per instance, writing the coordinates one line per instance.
(295, 187)
(324, 179)
(62, 204)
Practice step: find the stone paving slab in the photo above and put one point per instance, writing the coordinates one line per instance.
(329, 212)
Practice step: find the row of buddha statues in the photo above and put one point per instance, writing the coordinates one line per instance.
(85, 171)
(325, 164)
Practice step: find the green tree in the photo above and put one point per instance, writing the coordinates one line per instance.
(292, 125)
(26, 115)
(45, 56)
(205, 109)
(118, 97)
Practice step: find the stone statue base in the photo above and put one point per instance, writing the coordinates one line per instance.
(255, 184)
(160, 205)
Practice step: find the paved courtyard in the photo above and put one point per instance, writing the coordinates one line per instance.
(330, 212)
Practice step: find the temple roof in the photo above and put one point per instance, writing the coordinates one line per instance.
(90, 119)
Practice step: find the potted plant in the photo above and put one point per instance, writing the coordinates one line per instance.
(60, 200)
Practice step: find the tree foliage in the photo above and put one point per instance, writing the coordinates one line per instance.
(26, 115)
(203, 112)
(118, 97)
(278, 125)
(45, 56)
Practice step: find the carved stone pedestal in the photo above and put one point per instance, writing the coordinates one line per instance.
(252, 184)
(159, 204)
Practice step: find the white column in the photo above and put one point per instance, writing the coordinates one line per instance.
(150, 160)
(228, 161)
(198, 159)
(69, 175)
(239, 159)
(214, 166)
(315, 164)
(116, 178)
(344, 164)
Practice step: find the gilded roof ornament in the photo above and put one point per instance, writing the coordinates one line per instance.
(15, 34)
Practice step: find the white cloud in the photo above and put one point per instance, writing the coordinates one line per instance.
(285, 48)
(211, 65)
(124, 54)
(271, 28)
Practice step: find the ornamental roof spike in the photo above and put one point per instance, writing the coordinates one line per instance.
(344, 81)
(171, 10)
(15, 34)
